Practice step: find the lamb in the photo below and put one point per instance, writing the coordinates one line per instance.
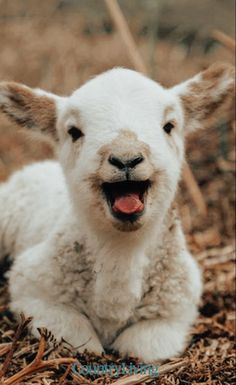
(100, 258)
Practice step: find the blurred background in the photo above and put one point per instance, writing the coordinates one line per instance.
(58, 45)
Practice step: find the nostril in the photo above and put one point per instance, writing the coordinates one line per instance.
(116, 162)
(135, 161)
(125, 164)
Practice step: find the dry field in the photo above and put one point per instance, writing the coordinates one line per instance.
(58, 49)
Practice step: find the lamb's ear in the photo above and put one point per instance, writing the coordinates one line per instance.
(27, 107)
(205, 95)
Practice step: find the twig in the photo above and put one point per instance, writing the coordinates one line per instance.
(194, 190)
(128, 40)
(224, 254)
(64, 376)
(219, 260)
(141, 378)
(79, 379)
(122, 26)
(38, 364)
(5, 348)
(22, 325)
(224, 39)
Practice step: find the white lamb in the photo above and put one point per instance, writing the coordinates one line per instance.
(99, 253)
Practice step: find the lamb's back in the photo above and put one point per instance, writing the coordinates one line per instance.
(31, 202)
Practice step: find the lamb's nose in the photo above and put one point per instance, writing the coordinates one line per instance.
(125, 164)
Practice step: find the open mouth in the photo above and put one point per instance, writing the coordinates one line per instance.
(126, 199)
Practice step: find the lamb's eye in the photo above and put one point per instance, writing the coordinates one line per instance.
(168, 127)
(75, 133)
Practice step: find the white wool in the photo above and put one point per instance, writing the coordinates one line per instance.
(79, 271)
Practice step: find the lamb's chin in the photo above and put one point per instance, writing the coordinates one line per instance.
(127, 227)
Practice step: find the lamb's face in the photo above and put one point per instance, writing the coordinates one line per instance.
(121, 138)
(121, 146)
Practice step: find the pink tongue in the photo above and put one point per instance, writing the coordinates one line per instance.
(128, 204)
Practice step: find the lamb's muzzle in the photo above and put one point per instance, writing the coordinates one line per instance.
(125, 177)
(125, 198)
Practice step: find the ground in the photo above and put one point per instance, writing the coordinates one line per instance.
(58, 52)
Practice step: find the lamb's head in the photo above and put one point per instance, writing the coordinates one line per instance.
(120, 159)
(121, 138)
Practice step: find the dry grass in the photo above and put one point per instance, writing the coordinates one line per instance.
(209, 358)
(54, 50)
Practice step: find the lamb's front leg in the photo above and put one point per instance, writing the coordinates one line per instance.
(62, 321)
(152, 340)
(36, 289)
